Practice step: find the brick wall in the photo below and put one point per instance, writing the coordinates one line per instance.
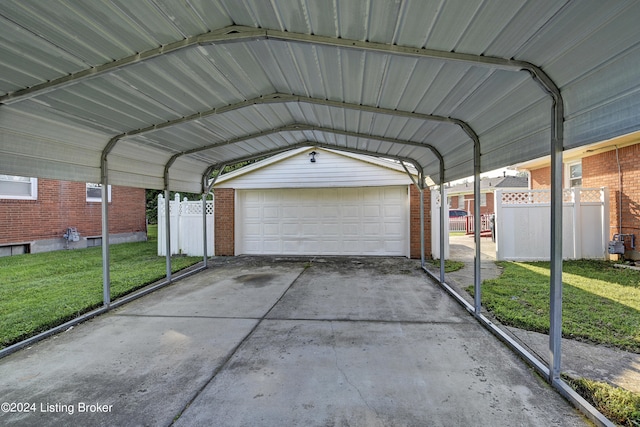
(414, 222)
(484, 210)
(541, 178)
(224, 221)
(63, 204)
(601, 170)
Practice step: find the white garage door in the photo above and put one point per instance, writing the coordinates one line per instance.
(323, 221)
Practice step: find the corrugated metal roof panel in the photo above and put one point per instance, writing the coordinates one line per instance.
(591, 49)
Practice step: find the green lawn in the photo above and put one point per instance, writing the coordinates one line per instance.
(449, 265)
(40, 291)
(601, 304)
(618, 405)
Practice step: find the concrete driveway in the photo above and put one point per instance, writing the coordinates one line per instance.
(282, 342)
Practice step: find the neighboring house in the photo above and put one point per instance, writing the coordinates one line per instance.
(460, 196)
(614, 164)
(36, 213)
(327, 203)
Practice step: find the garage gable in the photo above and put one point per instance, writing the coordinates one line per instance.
(313, 167)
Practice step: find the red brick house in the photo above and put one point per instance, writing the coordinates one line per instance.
(614, 164)
(36, 213)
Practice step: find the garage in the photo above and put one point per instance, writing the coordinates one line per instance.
(323, 221)
(339, 204)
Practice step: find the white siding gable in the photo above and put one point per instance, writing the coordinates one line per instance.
(330, 170)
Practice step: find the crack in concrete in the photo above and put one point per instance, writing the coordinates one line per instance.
(344, 375)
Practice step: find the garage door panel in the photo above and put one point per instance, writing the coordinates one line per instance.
(371, 211)
(350, 230)
(330, 211)
(271, 212)
(290, 229)
(271, 230)
(329, 230)
(337, 221)
(371, 229)
(393, 229)
(252, 212)
(395, 211)
(308, 213)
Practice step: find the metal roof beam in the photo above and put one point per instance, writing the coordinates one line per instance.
(236, 33)
(284, 98)
(302, 128)
(223, 35)
(321, 145)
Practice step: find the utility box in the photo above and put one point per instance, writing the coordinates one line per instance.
(616, 246)
(72, 235)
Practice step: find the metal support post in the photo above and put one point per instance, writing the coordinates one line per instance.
(477, 261)
(106, 279)
(167, 227)
(555, 295)
(421, 189)
(443, 201)
(204, 229)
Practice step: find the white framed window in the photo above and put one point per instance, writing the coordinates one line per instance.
(461, 202)
(94, 192)
(483, 199)
(573, 174)
(18, 187)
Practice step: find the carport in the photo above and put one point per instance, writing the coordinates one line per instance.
(159, 94)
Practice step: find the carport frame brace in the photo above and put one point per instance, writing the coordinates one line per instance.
(238, 33)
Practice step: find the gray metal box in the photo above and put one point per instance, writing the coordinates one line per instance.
(616, 247)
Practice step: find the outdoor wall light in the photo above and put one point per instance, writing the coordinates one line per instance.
(313, 156)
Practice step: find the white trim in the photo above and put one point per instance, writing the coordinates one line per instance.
(567, 173)
(283, 156)
(97, 199)
(33, 193)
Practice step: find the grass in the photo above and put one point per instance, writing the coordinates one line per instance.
(618, 405)
(449, 265)
(40, 291)
(601, 304)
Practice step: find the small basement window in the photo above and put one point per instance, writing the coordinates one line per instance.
(10, 250)
(94, 241)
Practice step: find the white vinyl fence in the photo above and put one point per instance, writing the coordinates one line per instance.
(435, 226)
(186, 227)
(458, 223)
(523, 224)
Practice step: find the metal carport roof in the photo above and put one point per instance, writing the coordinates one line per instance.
(156, 93)
(170, 77)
